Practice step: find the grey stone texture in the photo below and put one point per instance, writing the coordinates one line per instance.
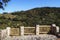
(31, 37)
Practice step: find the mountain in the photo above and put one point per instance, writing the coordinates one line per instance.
(32, 17)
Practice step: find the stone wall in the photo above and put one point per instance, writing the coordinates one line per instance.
(32, 37)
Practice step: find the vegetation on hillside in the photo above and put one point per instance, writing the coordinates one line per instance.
(43, 15)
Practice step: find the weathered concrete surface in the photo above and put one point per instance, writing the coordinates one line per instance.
(32, 37)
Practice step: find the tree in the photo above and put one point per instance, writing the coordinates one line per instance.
(3, 3)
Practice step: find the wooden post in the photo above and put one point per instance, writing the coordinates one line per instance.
(37, 29)
(22, 30)
(57, 29)
(8, 31)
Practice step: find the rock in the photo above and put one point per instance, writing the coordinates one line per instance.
(32, 37)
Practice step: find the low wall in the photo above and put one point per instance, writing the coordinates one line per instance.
(39, 29)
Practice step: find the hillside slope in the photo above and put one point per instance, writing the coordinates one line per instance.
(43, 15)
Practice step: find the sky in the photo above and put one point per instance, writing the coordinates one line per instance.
(20, 5)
